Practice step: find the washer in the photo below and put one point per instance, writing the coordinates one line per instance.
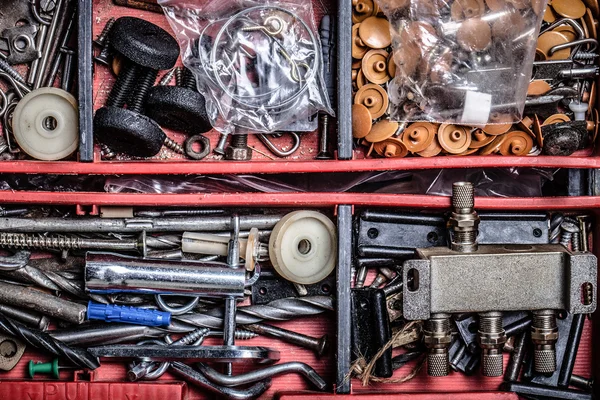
(303, 247)
(46, 124)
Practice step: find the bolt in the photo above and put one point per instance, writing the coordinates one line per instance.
(464, 220)
(145, 81)
(179, 76)
(324, 139)
(582, 219)
(575, 241)
(437, 335)
(544, 334)
(513, 368)
(318, 345)
(379, 280)
(361, 276)
(582, 383)
(238, 149)
(103, 36)
(167, 78)
(220, 148)
(10, 71)
(104, 43)
(491, 338)
(107, 152)
(188, 80)
(568, 228)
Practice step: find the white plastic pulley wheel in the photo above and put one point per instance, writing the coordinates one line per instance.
(46, 124)
(303, 247)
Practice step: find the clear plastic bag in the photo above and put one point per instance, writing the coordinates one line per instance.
(462, 61)
(258, 63)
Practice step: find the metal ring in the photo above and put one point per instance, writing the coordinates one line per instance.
(298, 93)
(36, 14)
(204, 147)
(278, 152)
(176, 310)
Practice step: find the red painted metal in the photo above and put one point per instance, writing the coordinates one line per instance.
(400, 395)
(181, 167)
(293, 200)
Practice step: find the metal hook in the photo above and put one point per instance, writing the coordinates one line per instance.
(590, 41)
(569, 21)
(276, 23)
(278, 152)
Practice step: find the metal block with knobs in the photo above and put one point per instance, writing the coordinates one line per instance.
(490, 279)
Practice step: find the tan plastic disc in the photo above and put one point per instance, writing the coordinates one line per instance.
(592, 96)
(537, 130)
(116, 64)
(474, 35)
(374, 66)
(593, 6)
(467, 152)
(418, 136)
(480, 139)
(494, 146)
(391, 148)
(496, 5)
(517, 143)
(596, 125)
(507, 24)
(455, 139)
(538, 6)
(591, 24)
(498, 129)
(406, 62)
(538, 88)
(464, 9)
(354, 74)
(391, 66)
(361, 121)
(303, 247)
(374, 98)
(555, 119)
(547, 40)
(46, 124)
(567, 30)
(361, 80)
(375, 32)
(362, 9)
(569, 8)
(359, 49)
(432, 150)
(356, 63)
(549, 15)
(382, 130)
(540, 55)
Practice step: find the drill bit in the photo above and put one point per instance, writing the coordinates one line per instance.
(277, 310)
(41, 340)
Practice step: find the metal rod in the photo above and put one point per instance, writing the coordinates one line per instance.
(135, 225)
(50, 39)
(29, 318)
(41, 302)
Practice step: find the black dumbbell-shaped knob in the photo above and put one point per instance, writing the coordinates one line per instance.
(146, 49)
(178, 108)
(132, 133)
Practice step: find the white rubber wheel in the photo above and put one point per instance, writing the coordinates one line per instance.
(46, 124)
(303, 247)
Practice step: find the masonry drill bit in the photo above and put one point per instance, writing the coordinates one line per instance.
(277, 310)
(41, 340)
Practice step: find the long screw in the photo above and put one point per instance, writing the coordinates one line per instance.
(324, 139)
(103, 36)
(318, 345)
(24, 241)
(104, 56)
(145, 81)
(277, 310)
(41, 340)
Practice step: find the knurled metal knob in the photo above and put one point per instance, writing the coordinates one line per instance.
(544, 360)
(438, 363)
(463, 199)
(491, 364)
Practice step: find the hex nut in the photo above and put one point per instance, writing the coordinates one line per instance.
(238, 153)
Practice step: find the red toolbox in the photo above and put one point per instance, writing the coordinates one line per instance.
(107, 382)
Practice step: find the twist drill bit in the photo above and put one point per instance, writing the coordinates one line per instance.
(277, 310)
(41, 340)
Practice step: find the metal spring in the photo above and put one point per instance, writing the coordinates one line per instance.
(22, 241)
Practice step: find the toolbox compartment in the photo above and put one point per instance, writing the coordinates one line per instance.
(108, 382)
(95, 82)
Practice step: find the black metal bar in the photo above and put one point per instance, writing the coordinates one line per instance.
(344, 80)
(566, 369)
(86, 80)
(343, 308)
